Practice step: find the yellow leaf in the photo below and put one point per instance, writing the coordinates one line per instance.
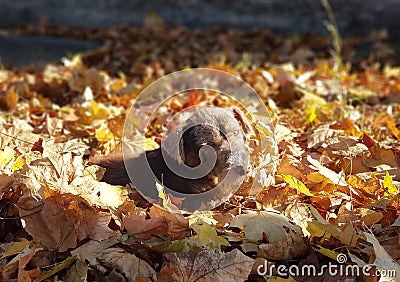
(296, 184)
(311, 114)
(315, 230)
(6, 156)
(388, 184)
(67, 262)
(316, 177)
(150, 144)
(208, 237)
(103, 134)
(162, 195)
(327, 252)
(75, 62)
(18, 164)
(95, 106)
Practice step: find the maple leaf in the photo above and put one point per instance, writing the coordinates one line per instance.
(101, 254)
(207, 265)
(61, 220)
(133, 268)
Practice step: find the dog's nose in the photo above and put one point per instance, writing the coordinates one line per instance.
(241, 170)
(249, 168)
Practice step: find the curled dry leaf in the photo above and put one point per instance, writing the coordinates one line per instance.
(138, 224)
(255, 225)
(293, 247)
(130, 265)
(383, 261)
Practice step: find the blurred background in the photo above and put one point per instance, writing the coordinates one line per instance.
(46, 17)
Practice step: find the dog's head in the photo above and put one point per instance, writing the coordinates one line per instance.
(223, 130)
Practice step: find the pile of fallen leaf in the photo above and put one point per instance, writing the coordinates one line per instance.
(335, 189)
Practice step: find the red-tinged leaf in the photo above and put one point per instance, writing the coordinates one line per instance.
(138, 224)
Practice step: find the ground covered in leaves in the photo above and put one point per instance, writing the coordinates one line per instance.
(334, 198)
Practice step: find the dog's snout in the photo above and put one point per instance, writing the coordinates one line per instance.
(240, 162)
(241, 170)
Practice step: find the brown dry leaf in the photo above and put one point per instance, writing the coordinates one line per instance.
(47, 223)
(336, 178)
(5, 184)
(18, 263)
(207, 265)
(319, 135)
(256, 225)
(348, 127)
(39, 175)
(381, 158)
(371, 185)
(292, 247)
(178, 225)
(138, 224)
(9, 100)
(392, 247)
(61, 220)
(370, 217)
(292, 166)
(83, 78)
(53, 125)
(77, 272)
(91, 249)
(391, 124)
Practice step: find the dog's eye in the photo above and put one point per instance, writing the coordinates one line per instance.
(236, 133)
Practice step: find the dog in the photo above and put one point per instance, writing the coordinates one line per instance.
(222, 130)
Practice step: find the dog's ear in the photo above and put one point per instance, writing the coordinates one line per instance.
(240, 116)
